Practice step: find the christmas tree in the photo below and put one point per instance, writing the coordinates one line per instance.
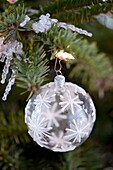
(42, 39)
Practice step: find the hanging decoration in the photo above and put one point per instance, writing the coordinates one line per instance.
(6, 55)
(45, 23)
(13, 47)
(61, 115)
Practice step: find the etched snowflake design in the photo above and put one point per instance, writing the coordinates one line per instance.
(70, 101)
(59, 142)
(53, 115)
(38, 129)
(44, 99)
(78, 131)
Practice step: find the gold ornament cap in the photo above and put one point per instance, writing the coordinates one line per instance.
(64, 56)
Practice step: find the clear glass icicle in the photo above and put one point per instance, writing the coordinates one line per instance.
(6, 55)
(6, 68)
(9, 85)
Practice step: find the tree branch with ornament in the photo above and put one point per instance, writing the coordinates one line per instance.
(25, 40)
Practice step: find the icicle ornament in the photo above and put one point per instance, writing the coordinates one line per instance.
(61, 116)
(6, 55)
(10, 83)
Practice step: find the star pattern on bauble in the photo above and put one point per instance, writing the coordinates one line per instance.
(78, 130)
(38, 129)
(59, 142)
(69, 101)
(43, 100)
(53, 115)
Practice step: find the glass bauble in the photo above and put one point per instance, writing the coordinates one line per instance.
(60, 116)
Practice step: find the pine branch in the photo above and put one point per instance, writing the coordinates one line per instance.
(83, 158)
(10, 21)
(12, 128)
(77, 11)
(93, 67)
(12, 158)
(59, 39)
(90, 63)
(31, 69)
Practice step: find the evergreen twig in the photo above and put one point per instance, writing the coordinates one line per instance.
(32, 69)
(77, 11)
(90, 64)
(12, 128)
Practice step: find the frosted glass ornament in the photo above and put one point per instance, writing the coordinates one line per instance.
(60, 116)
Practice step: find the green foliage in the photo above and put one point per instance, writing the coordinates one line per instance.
(92, 66)
(12, 129)
(31, 69)
(84, 158)
(56, 39)
(89, 63)
(12, 159)
(77, 11)
(59, 39)
(10, 21)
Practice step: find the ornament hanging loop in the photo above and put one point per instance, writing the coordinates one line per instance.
(58, 71)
